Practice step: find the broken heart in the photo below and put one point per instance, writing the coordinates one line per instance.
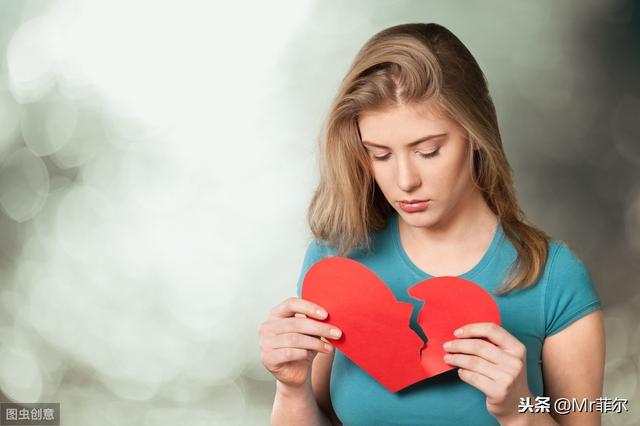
(376, 334)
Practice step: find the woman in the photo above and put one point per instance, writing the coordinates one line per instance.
(414, 183)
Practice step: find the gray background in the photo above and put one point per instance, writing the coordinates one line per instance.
(158, 159)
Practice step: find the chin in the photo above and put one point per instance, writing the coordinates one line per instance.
(416, 219)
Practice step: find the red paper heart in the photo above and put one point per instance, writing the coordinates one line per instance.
(375, 326)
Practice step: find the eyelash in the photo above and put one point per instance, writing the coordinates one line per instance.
(428, 155)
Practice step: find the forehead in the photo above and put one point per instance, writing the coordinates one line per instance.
(399, 122)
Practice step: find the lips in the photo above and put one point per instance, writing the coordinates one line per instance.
(414, 206)
(412, 201)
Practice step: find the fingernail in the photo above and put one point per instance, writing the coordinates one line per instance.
(335, 332)
(321, 313)
(446, 345)
(327, 346)
(458, 332)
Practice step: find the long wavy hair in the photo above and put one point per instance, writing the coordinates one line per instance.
(415, 63)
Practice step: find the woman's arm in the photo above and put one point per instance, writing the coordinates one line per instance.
(573, 366)
(297, 407)
(320, 379)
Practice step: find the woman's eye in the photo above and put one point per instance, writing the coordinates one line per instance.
(421, 154)
(428, 154)
(382, 158)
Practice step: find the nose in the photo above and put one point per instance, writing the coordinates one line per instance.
(407, 174)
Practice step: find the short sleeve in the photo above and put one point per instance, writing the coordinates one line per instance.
(315, 252)
(570, 292)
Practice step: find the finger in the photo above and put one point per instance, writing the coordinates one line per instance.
(302, 341)
(496, 334)
(283, 355)
(289, 307)
(483, 383)
(483, 349)
(305, 326)
(478, 365)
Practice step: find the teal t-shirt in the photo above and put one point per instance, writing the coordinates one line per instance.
(563, 293)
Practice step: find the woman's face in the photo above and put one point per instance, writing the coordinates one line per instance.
(417, 154)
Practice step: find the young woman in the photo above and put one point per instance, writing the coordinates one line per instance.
(414, 183)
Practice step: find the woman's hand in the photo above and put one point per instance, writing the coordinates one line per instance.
(290, 339)
(497, 367)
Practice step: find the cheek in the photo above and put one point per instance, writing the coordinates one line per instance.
(383, 175)
(443, 180)
(436, 173)
(385, 181)
(453, 177)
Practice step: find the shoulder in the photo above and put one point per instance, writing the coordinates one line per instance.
(570, 291)
(563, 261)
(315, 251)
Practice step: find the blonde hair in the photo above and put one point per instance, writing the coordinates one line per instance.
(415, 63)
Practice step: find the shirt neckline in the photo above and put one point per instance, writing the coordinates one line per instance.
(498, 236)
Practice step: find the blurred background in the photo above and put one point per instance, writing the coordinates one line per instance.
(157, 159)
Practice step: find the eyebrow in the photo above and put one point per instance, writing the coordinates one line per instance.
(417, 141)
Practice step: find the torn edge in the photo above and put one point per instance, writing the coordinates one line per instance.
(416, 311)
(422, 348)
